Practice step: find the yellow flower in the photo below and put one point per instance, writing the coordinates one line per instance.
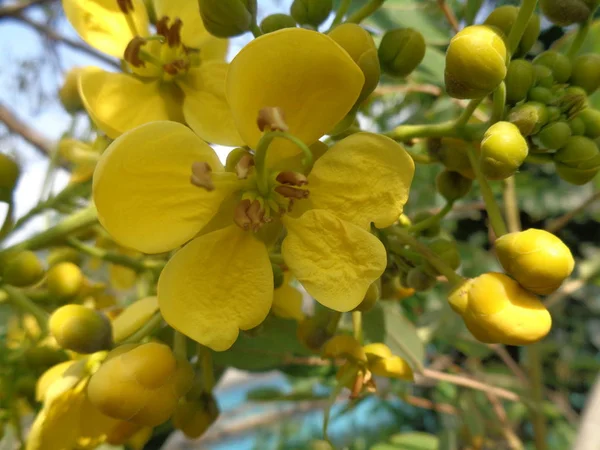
(222, 280)
(177, 74)
(287, 300)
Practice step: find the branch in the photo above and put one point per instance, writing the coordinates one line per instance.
(15, 10)
(15, 125)
(559, 223)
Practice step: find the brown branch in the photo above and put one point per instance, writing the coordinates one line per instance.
(16, 125)
(510, 363)
(511, 438)
(14, 10)
(424, 403)
(560, 222)
(450, 17)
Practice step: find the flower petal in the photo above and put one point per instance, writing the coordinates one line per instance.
(363, 178)
(205, 108)
(143, 192)
(305, 73)
(393, 367)
(193, 33)
(133, 318)
(118, 102)
(344, 346)
(287, 300)
(214, 49)
(336, 261)
(219, 283)
(101, 23)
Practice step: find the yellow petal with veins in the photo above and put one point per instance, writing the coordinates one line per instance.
(102, 24)
(219, 283)
(118, 102)
(363, 178)
(335, 260)
(287, 300)
(133, 318)
(193, 33)
(142, 187)
(205, 108)
(305, 73)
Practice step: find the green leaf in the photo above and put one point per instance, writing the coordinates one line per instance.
(415, 441)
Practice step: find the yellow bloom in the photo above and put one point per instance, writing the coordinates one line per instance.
(177, 74)
(222, 280)
(287, 300)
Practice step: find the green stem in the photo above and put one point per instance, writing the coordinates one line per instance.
(8, 220)
(357, 326)
(516, 32)
(206, 362)
(276, 258)
(81, 219)
(537, 394)
(21, 301)
(147, 330)
(439, 264)
(462, 120)
(492, 208)
(365, 11)
(511, 206)
(333, 322)
(540, 158)
(339, 14)
(499, 102)
(408, 132)
(420, 159)
(343, 381)
(580, 37)
(255, 30)
(432, 220)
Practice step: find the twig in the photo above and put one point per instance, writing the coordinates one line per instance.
(14, 10)
(450, 17)
(424, 403)
(510, 362)
(560, 222)
(511, 206)
(513, 440)
(16, 125)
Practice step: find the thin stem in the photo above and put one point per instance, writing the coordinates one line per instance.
(365, 11)
(438, 263)
(340, 13)
(467, 112)
(147, 330)
(21, 301)
(580, 37)
(537, 394)
(255, 30)
(333, 322)
(493, 211)
(450, 17)
(498, 103)
(511, 205)
(432, 220)
(516, 32)
(420, 159)
(357, 326)
(206, 362)
(180, 345)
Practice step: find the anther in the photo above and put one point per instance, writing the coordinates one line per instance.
(292, 178)
(201, 176)
(162, 26)
(243, 166)
(126, 6)
(292, 192)
(271, 119)
(174, 67)
(240, 215)
(132, 52)
(174, 34)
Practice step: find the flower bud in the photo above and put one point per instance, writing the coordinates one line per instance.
(392, 289)
(373, 294)
(360, 46)
(452, 153)
(276, 22)
(554, 135)
(505, 16)
(194, 417)
(540, 94)
(553, 113)
(572, 101)
(529, 117)
(586, 72)
(80, 329)
(559, 64)
(63, 254)
(431, 231)
(227, 18)
(23, 269)
(419, 279)
(577, 126)
(313, 333)
(9, 175)
(42, 357)
(503, 150)
(475, 62)
(591, 121)
(64, 280)
(401, 51)
(578, 161)
(452, 185)
(497, 309)
(543, 76)
(68, 94)
(447, 251)
(567, 12)
(519, 79)
(311, 12)
(537, 259)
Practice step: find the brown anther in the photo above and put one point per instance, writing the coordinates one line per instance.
(271, 119)
(292, 178)
(240, 215)
(174, 67)
(243, 166)
(174, 34)
(357, 386)
(126, 6)
(162, 26)
(292, 192)
(256, 214)
(201, 176)
(132, 52)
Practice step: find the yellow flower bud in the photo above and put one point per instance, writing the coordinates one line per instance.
(312, 333)
(538, 260)
(475, 62)
(505, 16)
(23, 269)
(360, 46)
(276, 22)
(519, 79)
(68, 94)
(64, 280)
(452, 153)
(194, 417)
(9, 175)
(559, 64)
(578, 161)
(567, 12)
(401, 51)
(503, 150)
(452, 185)
(529, 117)
(311, 12)
(586, 72)
(80, 329)
(227, 18)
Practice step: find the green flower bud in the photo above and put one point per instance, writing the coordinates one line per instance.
(80, 329)
(401, 51)
(557, 62)
(475, 62)
(543, 76)
(194, 417)
(313, 333)
(23, 269)
(577, 126)
(554, 135)
(277, 275)
(373, 294)
(503, 150)
(578, 161)
(420, 279)
(62, 254)
(529, 117)
(586, 72)
(447, 250)
(276, 22)
(360, 46)
(432, 230)
(452, 185)
(9, 175)
(591, 121)
(64, 280)
(227, 18)
(573, 100)
(311, 12)
(520, 77)
(567, 12)
(41, 357)
(554, 113)
(540, 94)
(504, 17)
(68, 94)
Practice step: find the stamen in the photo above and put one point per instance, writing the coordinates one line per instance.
(292, 178)
(132, 52)
(201, 176)
(243, 166)
(162, 26)
(174, 35)
(292, 192)
(256, 214)
(174, 67)
(271, 119)
(240, 215)
(126, 6)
